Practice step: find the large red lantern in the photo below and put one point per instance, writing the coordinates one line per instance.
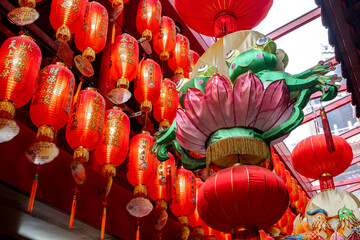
(124, 63)
(239, 200)
(164, 39)
(167, 104)
(218, 18)
(20, 60)
(312, 159)
(91, 38)
(141, 165)
(147, 84)
(66, 16)
(180, 60)
(148, 18)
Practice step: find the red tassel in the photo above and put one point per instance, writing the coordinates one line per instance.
(327, 131)
(73, 207)
(138, 230)
(168, 183)
(33, 193)
(103, 221)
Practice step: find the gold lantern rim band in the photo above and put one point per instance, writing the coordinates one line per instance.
(45, 133)
(63, 33)
(123, 83)
(81, 154)
(7, 109)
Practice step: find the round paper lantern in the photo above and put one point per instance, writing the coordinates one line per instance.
(114, 144)
(20, 60)
(124, 60)
(148, 17)
(148, 84)
(50, 105)
(312, 159)
(66, 16)
(194, 219)
(294, 194)
(164, 39)
(180, 61)
(167, 104)
(218, 18)
(91, 39)
(194, 57)
(84, 126)
(239, 200)
(141, 165)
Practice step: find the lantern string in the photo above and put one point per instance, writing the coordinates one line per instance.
(315, 121)
(33, 190)
(73, 207)
(103, 220)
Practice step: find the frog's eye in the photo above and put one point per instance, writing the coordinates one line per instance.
(229, 54)
(203, 68)
(262, 41)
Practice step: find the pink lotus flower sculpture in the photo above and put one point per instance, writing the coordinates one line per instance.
(228, 123)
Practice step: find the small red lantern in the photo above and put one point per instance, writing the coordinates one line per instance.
(147, 84)
(167, 104)
(148, 17)
(20, 60)
(180, 61)
(124, 62)
(232, 200)
(66, 16)
(164, 39)
(91, 39)
(312, 159)
(141, 165)
(199, 226)
(194, 57)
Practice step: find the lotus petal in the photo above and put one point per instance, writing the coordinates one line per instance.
(275, 101)
(284, 116)
(336, 236)
(198, 111)
(219, 98)
(248, 94)
(188, 130)
(190, 146)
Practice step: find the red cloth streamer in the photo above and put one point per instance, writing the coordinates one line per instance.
(73, 207)
(327, 131)
(103, 221)
(33, 193)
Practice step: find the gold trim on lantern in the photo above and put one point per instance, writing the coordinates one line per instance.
(183, 219)
(81, 154)
(161, 204)
(123, 83)
(145, 132)
(164, 55)
(148, 34)
(89, 53)
(117, 108)
(109, 169)
(91, 89)
(117, 3)
(140, 190)
(179, 72)
(63, 34)
(326, 175)
(199, 231)
(45, 133)
(27, 36)
(7, 109)
(61, 64)
(164, 124)
(146, 106)
(27, 3)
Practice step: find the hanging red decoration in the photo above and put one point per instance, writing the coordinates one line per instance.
(312, 159)
(20, 60)
(294, 194)
(167, 104)
(141, 165)
(124, 64)
(147, 84)
(164, 39)
(194, 57)
(232, 200)
(66, 16)
(148, 18)
(180, 61)
(199, 226)
(91, 39)
(218, 18)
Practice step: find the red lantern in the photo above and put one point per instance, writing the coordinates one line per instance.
(194, 219)
(312, 159)
(194, 57)
(237, 200)
(164, 39)
(21, 59)
(148, 17)
(91, 39)
(141, 166)
(124, 60)
(167, 104)
(148, 84)
(66, 16)
(180, 61)
(218, 18)
(294, 194)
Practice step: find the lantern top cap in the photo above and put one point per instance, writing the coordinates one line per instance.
(27, 36)
(91, 89)
(61, 64)
(117, 108)
(145, 132)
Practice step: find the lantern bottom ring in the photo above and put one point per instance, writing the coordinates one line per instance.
(7, 109)
(63, 33)
(81, 154)
(89, 53)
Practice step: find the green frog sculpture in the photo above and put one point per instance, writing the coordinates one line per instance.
(258, 103)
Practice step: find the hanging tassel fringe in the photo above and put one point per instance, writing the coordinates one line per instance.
(113, 34)
(103, 221)
(138, 230)
(33, 193)
(77, 92)
(73, 207)
(327, 130)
